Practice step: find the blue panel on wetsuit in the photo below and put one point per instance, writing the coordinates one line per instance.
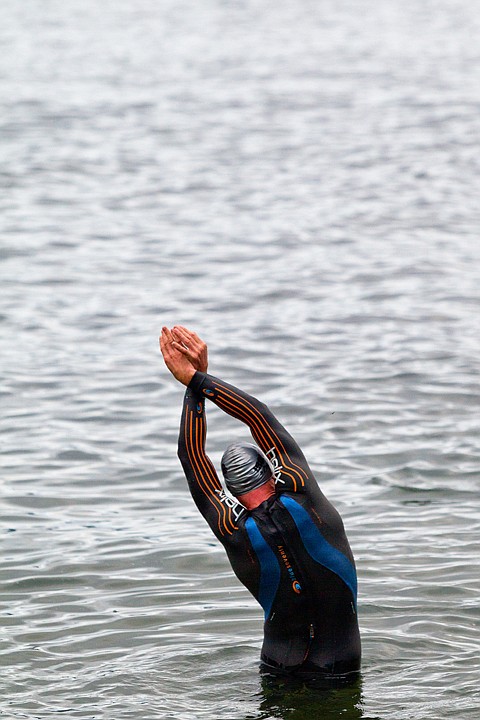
(319, 549)
(269, 567)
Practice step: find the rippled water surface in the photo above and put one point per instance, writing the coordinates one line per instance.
(299, 182)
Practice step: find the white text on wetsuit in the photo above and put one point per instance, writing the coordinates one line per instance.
(277, 468)
(235, 507)
(295, 584)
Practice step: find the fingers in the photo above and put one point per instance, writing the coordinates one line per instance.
(162, 341)
(191, 355)
(180, 341)
(182, 329)
(182, 334)
(167, 334)
(181, 348)
(166, 343)
(187, 335)
(189, 340)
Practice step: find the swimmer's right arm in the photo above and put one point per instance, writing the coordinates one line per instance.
(202, 478)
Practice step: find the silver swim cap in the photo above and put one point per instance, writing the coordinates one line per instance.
(245, 468)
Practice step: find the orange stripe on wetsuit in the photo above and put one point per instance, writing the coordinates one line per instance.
(193, 460)
(205, 475)
(258, 421)
(212, 475)
(253, 410)
(257, 435)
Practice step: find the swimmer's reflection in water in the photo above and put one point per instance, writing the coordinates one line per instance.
(285, 541)
(292, 698)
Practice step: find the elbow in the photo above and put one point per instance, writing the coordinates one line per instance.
(181, 451)
(264, 411)
(180, 443)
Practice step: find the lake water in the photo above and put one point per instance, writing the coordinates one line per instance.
(299, 183)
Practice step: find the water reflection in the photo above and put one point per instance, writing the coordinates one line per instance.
(306, 700)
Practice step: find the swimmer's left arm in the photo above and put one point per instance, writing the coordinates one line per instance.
(291, 468)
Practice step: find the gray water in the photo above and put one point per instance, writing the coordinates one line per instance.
(299, 183)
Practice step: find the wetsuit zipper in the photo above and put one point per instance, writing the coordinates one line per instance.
(304, 584)
(310, 640)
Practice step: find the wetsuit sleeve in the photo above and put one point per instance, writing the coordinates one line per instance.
(205, 487)
(292, 472)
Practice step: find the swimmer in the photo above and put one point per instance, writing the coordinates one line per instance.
(285, 541)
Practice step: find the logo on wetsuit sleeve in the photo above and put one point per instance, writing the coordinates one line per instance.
(277, 468)
(234, 506)
(297, 588)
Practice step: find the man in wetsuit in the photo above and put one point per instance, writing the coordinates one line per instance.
(285, 541)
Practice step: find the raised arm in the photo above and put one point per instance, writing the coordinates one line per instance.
(219, 510)
(291, 468)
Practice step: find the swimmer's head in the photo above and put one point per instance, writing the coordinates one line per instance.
(245, 467)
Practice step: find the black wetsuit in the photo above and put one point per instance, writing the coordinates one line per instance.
(291, 552)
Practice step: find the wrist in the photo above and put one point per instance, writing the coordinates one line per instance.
(187, 377)
(196, 382)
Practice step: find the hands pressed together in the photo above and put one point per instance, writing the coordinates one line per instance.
(184, 352)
